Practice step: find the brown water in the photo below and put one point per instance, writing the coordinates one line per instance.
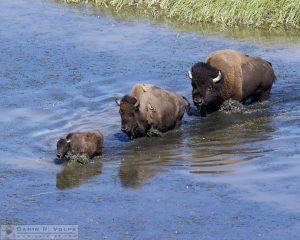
(227, 176)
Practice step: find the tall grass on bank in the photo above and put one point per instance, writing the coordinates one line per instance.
(226, 12)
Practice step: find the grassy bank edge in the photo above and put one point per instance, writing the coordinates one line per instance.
(258, 13)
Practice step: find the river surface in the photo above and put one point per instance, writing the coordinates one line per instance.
(226, 176)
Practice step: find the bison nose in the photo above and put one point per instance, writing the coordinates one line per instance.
(58, 155)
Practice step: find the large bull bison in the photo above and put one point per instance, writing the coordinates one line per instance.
(150, 110)
(82, 143)
(229, 74)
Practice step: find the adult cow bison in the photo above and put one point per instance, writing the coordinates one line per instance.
(229, 74)
(82, 143)
(150, 110)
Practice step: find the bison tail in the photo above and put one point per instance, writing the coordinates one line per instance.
(275, 78)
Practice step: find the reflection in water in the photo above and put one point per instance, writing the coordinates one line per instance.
(73, 174)
(132, 174)
(212, 145)
(144, 157)
(226, 140)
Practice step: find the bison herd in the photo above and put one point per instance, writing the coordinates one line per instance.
(150, 110)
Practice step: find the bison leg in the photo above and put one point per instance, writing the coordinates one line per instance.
(194, 112)
(264, 95)
(260, 95)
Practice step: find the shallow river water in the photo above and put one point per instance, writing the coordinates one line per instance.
(226, 176)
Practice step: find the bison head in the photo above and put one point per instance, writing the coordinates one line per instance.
(63, 146)
(207, 84)
(133, 123)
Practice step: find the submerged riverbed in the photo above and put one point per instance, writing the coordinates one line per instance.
(227, 176)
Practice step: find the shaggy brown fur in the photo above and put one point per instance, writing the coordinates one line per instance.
(86, 143)
(158, 110)
(244, 75)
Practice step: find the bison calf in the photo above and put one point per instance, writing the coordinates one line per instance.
(229, 74)
(150, 110)
(83, 143)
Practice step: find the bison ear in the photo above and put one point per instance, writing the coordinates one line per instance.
(118, 102)
(190, 75)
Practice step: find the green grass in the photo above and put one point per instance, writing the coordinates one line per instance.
(259, 13)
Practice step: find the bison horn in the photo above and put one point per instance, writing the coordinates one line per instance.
(218, 78)
(118, 102)
(136, 105)
(190, 75)
(68, 140)
(144, 88)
